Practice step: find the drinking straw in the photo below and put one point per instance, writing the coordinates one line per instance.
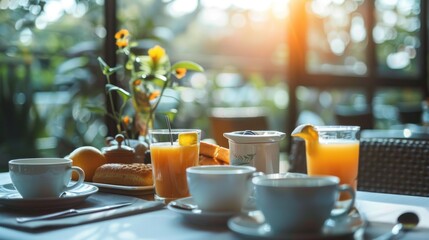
(169, 128)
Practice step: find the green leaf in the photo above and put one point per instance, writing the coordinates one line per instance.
(159, 80)
(96, 109)
(171, 114)
(160, 116)
(103, 64)
(188, 65)
(115, 69)
(106, 69)
(161, 77)
(124, 94)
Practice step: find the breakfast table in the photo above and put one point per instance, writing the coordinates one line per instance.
(153, 221)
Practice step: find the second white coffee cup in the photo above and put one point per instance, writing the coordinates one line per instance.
(220, 188)
(43, 177)
(299, 205)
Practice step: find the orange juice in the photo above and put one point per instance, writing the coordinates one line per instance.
(169, 164)
(338, 157)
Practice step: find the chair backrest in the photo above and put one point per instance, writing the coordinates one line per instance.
(345, 115)
(236, 119)
(386, 165)
(297, 157)
(394, 165)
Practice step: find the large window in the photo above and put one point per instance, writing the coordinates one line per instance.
(356, 59)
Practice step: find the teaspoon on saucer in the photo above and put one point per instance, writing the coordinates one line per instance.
(184, 206)
(406, 221)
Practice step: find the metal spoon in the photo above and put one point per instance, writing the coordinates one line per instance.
(405, 222)
(184, 206)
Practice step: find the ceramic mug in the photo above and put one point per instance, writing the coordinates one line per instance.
(43, 177)
(220, 187)
(299, 205)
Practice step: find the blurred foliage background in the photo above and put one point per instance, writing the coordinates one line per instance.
(49, 69)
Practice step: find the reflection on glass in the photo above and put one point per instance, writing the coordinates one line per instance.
(396, 34)
(337, 37)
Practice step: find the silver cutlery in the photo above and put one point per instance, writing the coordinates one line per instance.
(72, 212)
(405, 222)
(183, 206)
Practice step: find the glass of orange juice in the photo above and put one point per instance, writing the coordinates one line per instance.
(332, 150)
(336, 154)
(172, 152)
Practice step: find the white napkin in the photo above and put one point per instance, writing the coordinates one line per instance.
(8, 216)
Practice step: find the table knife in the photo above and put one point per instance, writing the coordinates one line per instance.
(72, 212)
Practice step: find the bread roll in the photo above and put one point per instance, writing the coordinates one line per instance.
(136, 174)
(208, 149)
(204, 160)
(223, 155)
(213, 154)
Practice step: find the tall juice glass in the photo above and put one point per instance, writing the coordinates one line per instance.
(332, 150)
(171, 154)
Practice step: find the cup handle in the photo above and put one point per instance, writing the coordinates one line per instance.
(79, 182)
(346, 210)
(256, 174)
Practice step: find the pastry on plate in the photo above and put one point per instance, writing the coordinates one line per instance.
(135, 174)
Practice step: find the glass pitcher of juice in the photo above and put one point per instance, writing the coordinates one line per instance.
(332, 150)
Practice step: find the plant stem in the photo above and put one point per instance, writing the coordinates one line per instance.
(113, 106)
(169, 129)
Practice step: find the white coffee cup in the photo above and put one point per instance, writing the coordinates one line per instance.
(43, 177)
(220, 188)
(299, 205)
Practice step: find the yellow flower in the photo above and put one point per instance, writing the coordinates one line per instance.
(121, 43)
(180, 72)
(122, 38)
(127, 120)
(154, 95)
(123, 33)
(137, 82)
(156, 53)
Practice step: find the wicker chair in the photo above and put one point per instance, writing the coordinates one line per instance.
(386, 165)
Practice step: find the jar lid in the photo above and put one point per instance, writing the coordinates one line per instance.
(119, 153)
(255, 136)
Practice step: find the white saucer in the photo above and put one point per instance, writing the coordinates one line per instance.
(252, 225)
(198, 216)
(10, 197)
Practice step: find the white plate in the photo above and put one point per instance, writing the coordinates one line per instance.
(123, 189)
(252, 225)
(198, 216)
(10, 197)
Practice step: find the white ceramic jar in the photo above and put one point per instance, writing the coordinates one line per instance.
(260, 150)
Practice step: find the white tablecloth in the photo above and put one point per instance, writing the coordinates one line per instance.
(381, 211)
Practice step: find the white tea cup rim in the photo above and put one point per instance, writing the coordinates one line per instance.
(40, 161)
(220, 169)
(296, 182)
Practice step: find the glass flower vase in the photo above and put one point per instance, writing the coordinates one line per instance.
(144, 121)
